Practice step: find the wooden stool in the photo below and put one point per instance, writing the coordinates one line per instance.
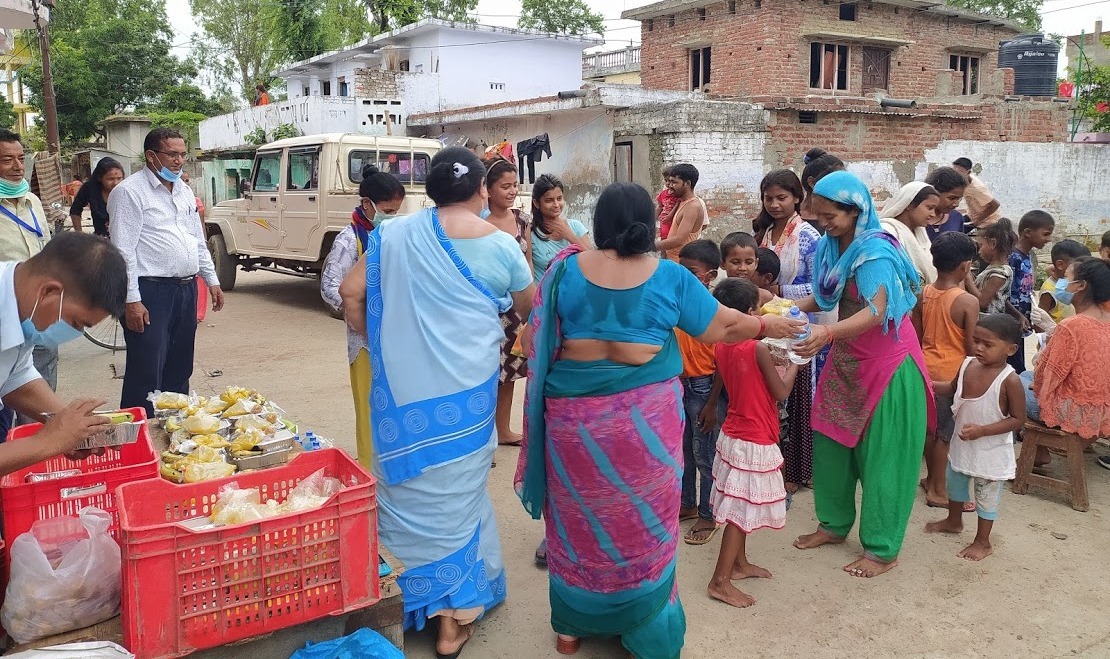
(1037, 435)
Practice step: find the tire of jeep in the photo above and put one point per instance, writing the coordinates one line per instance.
(226, 264)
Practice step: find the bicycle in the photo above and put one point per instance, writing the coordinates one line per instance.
(108, 333)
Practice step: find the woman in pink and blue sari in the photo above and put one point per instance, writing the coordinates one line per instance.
(427, 294)
(602, 457)
(874, 400)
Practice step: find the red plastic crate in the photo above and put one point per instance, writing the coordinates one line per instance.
(22, 503)
(186, 590)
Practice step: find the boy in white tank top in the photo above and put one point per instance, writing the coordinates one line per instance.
(989, 407)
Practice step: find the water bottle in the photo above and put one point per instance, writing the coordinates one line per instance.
(796, 314)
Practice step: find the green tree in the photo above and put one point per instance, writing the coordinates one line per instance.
(1025, 12)
(561, 17)
(7, 114)
(240, 42)
(108, 56)
(1094, 97)
(391, 14)
(344, 22)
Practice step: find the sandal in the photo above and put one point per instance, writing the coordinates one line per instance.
(541, 555)
(691, 539)
(455, 655)
(567, 644)
(969, 506)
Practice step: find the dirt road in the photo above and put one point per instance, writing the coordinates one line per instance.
(1042, 594)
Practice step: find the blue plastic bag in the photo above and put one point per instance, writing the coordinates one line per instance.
(363, 644)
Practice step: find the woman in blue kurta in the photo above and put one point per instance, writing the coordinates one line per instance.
(428, 299)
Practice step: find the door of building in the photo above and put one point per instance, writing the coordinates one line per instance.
(876, 69)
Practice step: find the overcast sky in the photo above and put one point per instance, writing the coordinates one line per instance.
(1065, 17)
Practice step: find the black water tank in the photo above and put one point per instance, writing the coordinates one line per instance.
(1033, 57)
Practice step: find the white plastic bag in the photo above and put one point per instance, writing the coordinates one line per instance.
(65, 575)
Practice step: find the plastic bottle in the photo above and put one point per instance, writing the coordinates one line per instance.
(796, 314)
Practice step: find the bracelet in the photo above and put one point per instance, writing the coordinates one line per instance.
(762, 327)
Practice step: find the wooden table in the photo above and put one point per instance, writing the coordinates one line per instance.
(387, 617)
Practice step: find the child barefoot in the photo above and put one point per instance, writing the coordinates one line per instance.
(748, 491)
(989, 406)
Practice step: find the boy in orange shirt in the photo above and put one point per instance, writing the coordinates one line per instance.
(946, 319)
(699, 364)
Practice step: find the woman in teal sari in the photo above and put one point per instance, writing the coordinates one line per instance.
(427, 296)
(602, 456)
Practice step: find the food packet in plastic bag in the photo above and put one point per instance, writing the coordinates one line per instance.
(169, 400)
(198, 472)
(201, 424)
(312, 492)
(65, 575)
(235, 506)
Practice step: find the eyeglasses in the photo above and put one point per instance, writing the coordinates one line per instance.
(174, 155)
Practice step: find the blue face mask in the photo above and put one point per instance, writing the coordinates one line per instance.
(166, 174)
(1062, 294)
(53, 336)
(379, 216)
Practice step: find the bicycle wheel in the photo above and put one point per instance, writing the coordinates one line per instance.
(107, 334)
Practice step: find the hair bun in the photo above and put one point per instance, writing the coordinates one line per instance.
(636, 239)
(369, 169)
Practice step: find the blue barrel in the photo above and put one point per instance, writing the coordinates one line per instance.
(1034, 58)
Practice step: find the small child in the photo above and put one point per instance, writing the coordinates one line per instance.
(738, 254)
(1104, 249)
(1034, 231)
(1063, 253)
(767, 268)
(750, 493)
(946, 317)
(992, 286)
(666, 203)
(702, 258)
(989, 407)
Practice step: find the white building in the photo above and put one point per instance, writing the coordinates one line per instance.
(435, 65)
(430, 66)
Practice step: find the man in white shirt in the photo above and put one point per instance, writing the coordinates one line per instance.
(156, 227)
(983, 209)
(75, 282)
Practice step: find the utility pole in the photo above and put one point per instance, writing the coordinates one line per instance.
(49, 104)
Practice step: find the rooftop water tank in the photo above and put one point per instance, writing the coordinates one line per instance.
(1033, 57)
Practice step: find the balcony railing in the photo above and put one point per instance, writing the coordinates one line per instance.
(611, 63)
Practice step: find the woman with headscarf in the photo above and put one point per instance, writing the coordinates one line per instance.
(905, 217)
(427, 293)
(874, 402)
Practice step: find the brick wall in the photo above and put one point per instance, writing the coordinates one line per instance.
(375, 83)
(764, 51)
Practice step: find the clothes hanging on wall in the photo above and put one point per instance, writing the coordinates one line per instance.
(531, 151)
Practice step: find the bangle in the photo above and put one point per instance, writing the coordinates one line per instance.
(762, 327)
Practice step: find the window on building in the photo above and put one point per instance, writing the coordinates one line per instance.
(828, 66)
(968, 68)
(876, 69)
(497, 86)
(701, 14)
(344, 90)
(651, 24)
(325, 88)
(304, 169)
(267, 172)
(622, 162)
(409, 168)
(306, 91)
(847, 11)
(700, 62)
(732, 6)
(670, 21)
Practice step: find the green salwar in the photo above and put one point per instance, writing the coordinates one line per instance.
(886, 462)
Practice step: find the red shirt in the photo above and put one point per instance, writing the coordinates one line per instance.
(666, 200)
(752, 413)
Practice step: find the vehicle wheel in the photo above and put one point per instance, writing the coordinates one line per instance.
(226, 264)
(107, 334)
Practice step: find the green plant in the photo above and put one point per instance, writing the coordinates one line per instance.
(256, 136)
(283, 131)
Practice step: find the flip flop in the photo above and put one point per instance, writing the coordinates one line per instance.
(455, 655)
(694, 541)
(519, 442)
(936, 505)
(969, 506)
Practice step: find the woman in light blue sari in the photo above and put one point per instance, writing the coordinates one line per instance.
(427, 296)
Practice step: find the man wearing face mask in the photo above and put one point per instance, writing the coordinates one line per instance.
(156, 227)
(74, 282)
(24, 231)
